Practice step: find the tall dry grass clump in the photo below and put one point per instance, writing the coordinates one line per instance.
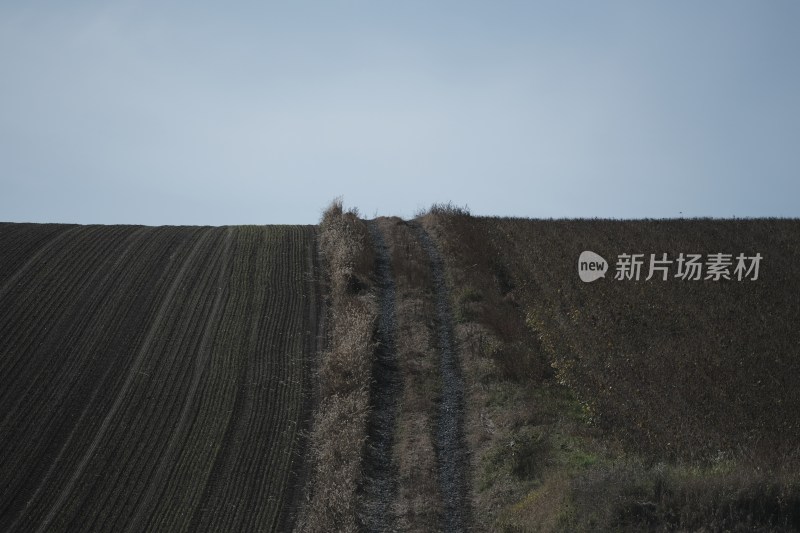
(345, 244)
(339, 426)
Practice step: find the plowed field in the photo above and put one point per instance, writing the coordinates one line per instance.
(153, 378)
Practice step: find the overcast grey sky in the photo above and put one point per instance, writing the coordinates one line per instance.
(225, 113)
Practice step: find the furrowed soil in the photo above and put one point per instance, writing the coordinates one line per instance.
(154, 379)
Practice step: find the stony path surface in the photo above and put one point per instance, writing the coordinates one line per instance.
(380, 484)
(450, 440)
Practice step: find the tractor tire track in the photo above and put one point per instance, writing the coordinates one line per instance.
(35, 259)
(169, 456)
(380, 480)
(451, 449)
(143, 349)
(112, 276)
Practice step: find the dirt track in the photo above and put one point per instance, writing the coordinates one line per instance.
(450, 444)
(380, 487)
(380, 484)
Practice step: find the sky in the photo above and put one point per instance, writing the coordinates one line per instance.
(145, 112)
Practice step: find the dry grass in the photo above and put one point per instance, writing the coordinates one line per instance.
(724, 497)
(338, 432)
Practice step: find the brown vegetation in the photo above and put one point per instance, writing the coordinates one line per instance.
(339, 424)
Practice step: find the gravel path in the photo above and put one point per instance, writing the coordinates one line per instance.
(450, 441)
(380, 483)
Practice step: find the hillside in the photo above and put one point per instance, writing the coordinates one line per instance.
(446, 373)
(622, 403)
(154, 378)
